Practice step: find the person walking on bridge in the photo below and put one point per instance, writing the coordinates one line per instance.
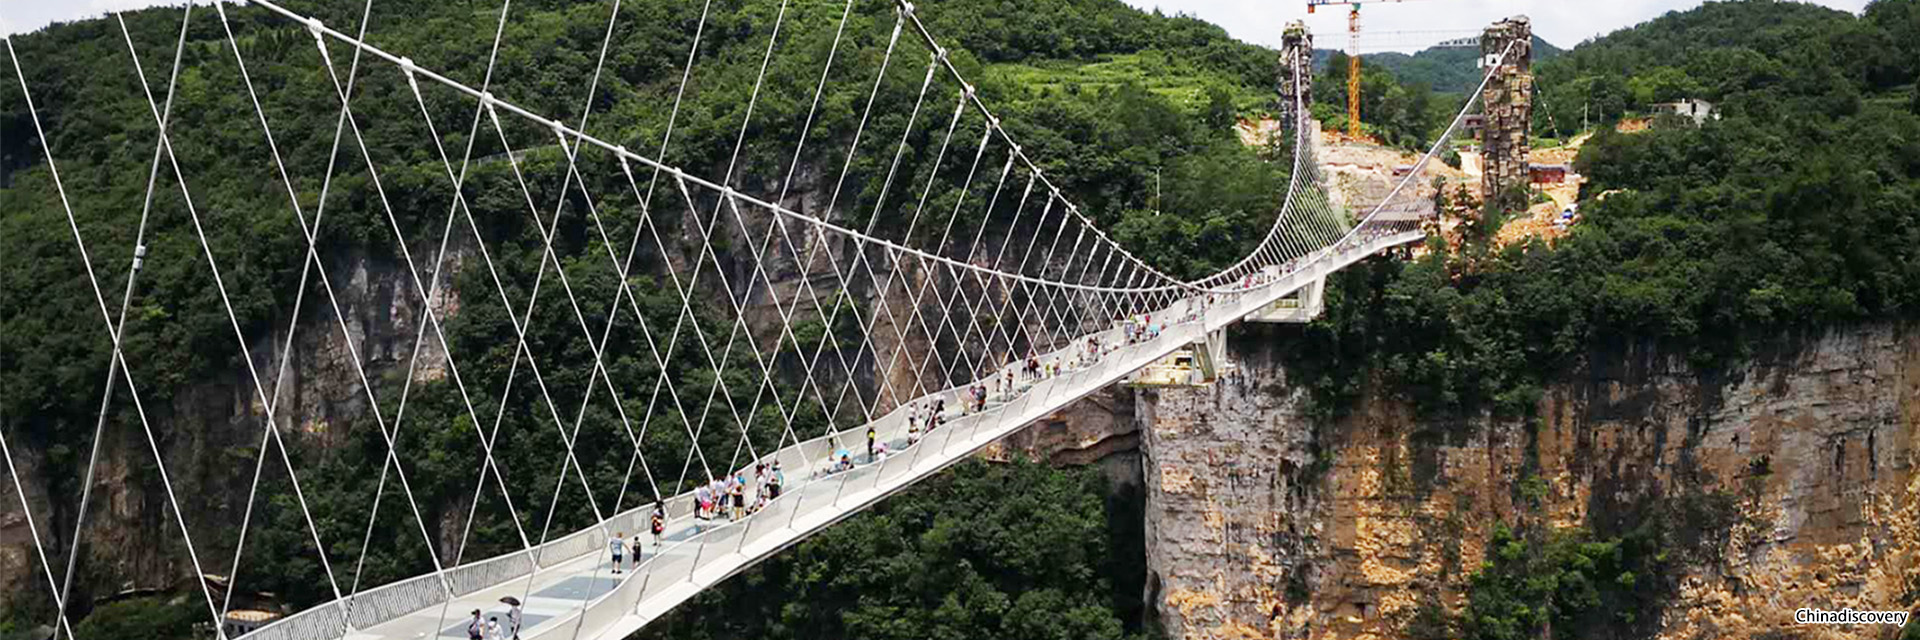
(738, 490)
(618, 547)
(476, 628)
(718, 489)
(872, 436)
(703, 502)
(659, 525)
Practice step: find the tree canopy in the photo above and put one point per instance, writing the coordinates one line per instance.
(1102, 143)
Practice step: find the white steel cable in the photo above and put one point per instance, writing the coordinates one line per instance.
(1000, 327)
(737, 301)
(427, 293)
(533, 297)
(308, 259)
(460, 205)
(233, 322)
(907, 8)
(894, 271)
(1033, 240)
(918, 294)
(691, 179)
(525, 325)
(818, 238)
(946, 311)
(673, 339)
(859, 251)
(153, 443)
(806, 283)
(858, 247)
(759, 271)
(93, 456)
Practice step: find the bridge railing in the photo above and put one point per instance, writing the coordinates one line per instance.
(680, 567)
(675, 566)
(393, 600)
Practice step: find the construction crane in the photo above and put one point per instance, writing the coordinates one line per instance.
(1353, 56)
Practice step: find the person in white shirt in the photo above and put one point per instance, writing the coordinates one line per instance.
(513, 614)
(493, 628)
(618, 547)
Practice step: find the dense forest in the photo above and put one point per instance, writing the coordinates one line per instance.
(1107, 97)
(1455, 70)
(985, 550)
(1792, 213)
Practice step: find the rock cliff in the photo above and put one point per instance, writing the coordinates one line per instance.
(207, 435)
(1263, 522)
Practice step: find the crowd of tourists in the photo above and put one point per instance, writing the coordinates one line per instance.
(728, 496)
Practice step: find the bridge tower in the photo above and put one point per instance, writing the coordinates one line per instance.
(1296, 74)
(1508, 105)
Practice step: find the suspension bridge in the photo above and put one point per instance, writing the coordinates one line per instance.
(966, 337)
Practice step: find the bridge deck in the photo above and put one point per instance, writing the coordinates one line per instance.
(572, 592)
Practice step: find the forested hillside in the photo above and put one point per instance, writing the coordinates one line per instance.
(1794, 211)
(1444, 70)
(1792, 214)
(1103, 142)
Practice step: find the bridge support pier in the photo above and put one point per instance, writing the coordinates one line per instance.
(1301, 307)
(1209, 354)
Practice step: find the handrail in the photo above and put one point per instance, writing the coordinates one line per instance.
(388, 602)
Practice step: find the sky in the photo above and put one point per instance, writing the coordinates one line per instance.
(1395, 25)
(1564, 23)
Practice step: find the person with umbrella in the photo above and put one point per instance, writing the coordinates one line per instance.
(513, 615)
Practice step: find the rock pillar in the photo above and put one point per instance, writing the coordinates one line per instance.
(1295, 74)
(1507, 102)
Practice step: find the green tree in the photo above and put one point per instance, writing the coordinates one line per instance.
(1019, 550)
(145, 617)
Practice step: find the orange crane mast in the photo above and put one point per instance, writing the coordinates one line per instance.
(1353, 57)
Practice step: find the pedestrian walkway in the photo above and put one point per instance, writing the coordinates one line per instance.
(573, 592)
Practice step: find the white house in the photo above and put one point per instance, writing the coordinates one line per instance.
(1700, 110)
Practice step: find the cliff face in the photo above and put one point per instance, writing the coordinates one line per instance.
(1263, 523)
(207, 436)
(209, 431)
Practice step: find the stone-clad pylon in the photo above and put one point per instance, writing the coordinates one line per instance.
(1507, 102)
(1295, 74)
